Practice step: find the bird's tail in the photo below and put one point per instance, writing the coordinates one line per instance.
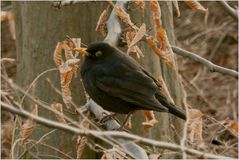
(173, 109)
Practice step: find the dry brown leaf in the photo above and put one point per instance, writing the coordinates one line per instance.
(67, 69)
(195, 127)
(124, 17)
(150, 119)
(161, 37)
(139, 53)
(29, 125)
(81, 140)
(234, 127)
(66, 73)
(129, 37)
(133, 49)
(156, 12)
(129, 123)
(159, 52)
(139, 35)
(140, 3)
(113, 154)
(100, 27)
(6, 132)
(164, 51)
(194, 4)
(59, 109)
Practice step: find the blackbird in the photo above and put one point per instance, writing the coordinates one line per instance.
(119, 84)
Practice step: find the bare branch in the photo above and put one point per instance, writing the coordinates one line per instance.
(211, 66)
(63, 3)
(116, 134)
(113, 26)
(232, 12)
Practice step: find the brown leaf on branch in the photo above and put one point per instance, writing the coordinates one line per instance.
(165, 46)
(29, 125)
(234, 127)
(164, 51)
(139, 35)
(113, 154)
(57, 56)
(59, 115)
(80, 145)
(128, 124)
(124, 17)
(81, 140)
(161, 37)
(101, 24)
(133, 49)
(132, 38)
(150, 119)
(162, 54)
(156, 12)
(67, 69)
(139, 3)
(195, 127)
(194, 4)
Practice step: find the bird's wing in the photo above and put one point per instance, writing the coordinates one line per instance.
(132, 86)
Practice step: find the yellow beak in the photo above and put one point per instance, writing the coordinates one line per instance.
(82, 51)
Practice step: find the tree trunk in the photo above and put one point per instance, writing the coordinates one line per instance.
(162, 130)
(39, 27)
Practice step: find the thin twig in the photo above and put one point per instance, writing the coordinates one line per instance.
(211, 66)
(232, 12)
(116, 134)
(34, 81)
(185, 129)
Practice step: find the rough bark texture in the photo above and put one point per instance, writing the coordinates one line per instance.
(39, 27)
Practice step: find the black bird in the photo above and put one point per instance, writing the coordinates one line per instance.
(119, 84)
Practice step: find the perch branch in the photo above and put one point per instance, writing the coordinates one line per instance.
(232, 12)
(212, 67)
(116, 134)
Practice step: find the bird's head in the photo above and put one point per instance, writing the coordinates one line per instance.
(96, 50)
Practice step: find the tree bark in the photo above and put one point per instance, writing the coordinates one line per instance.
(39, 27)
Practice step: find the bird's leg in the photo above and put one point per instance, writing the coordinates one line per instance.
(107, 117)
(126, 120)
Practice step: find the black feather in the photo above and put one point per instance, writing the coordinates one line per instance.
(119, 84)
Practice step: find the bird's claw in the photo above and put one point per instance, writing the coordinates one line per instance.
(106, 118)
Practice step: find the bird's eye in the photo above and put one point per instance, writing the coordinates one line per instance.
(98, 53)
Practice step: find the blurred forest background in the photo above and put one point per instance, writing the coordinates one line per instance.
(212, 35)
